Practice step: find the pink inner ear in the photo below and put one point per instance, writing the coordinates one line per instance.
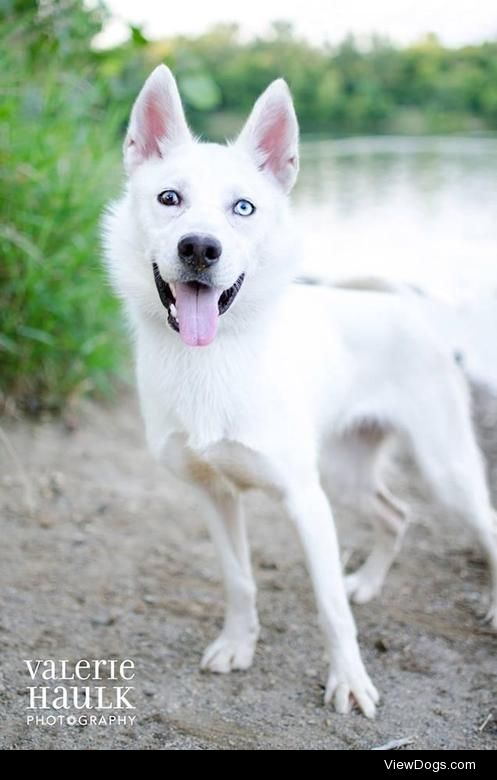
(274, 142)
(154, 127)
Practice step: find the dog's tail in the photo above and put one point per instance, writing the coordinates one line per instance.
(469, 329)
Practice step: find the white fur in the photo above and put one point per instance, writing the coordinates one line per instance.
(297, 376)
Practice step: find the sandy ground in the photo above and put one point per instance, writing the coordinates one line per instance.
(113, 562)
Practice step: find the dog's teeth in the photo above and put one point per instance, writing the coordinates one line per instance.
(173, 288)
(173, 311)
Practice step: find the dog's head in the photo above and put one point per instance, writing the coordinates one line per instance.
(211, 219)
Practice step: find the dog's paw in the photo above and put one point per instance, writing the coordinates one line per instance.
(361, 587)
(346, 688)
(229, 654)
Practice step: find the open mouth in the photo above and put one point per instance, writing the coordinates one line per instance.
(193, 308)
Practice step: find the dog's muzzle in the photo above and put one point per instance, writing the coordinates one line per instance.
(168, 294)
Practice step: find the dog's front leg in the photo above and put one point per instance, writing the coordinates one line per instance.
(348, 679)
(235, 646)
(220, 505)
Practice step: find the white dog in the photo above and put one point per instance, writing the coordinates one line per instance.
(202, 251)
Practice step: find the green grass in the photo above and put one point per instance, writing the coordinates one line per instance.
(61, 333)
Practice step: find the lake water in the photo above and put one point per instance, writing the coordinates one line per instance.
(422, 210)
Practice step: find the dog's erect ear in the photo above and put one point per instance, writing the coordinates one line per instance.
(271, 134)
(157, 120)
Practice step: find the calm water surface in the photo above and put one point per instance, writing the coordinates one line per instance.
(423, 210)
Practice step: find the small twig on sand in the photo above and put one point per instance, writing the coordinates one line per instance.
(487, 720)
(395, 744)
(28, 493)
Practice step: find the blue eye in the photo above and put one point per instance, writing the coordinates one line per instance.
(244, 208)
(169, 198)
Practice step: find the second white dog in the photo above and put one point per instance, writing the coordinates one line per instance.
(201, 249)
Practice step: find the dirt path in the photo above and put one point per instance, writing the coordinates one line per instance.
(113, 561)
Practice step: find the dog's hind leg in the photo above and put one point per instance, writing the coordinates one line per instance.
(449, 457)
(389, 518)
(235, 646)
(356, 469)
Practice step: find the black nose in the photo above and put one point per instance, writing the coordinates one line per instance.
(199, 251)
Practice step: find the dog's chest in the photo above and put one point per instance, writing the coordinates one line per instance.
(208, 397)
(242, 466)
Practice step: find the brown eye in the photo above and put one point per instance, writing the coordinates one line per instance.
(169, 198)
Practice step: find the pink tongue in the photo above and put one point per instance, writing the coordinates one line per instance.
(197, 311)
